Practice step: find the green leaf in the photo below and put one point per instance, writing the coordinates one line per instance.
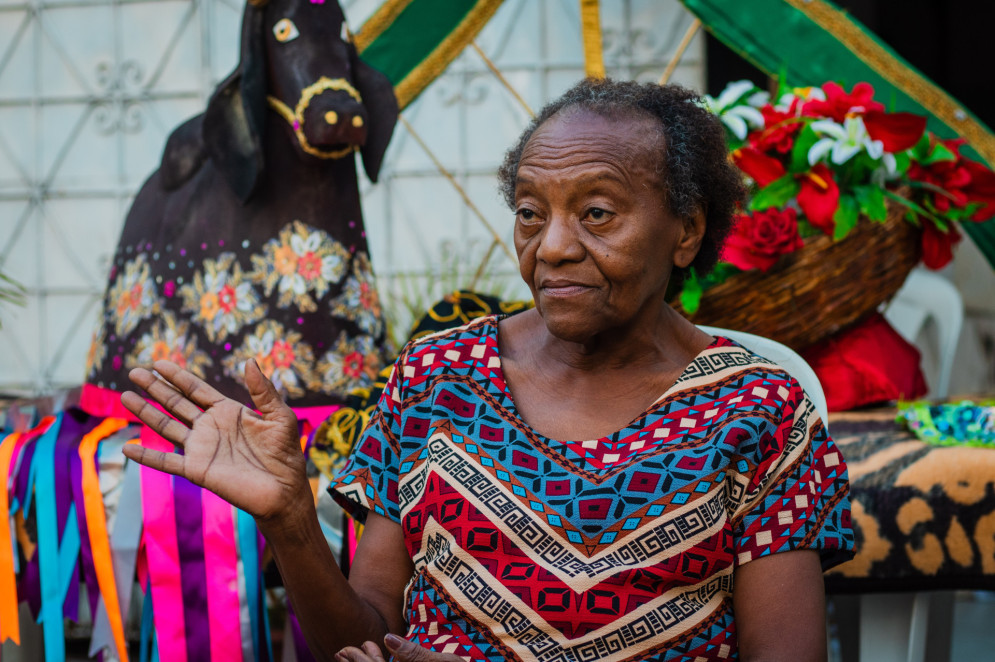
(776, 193)
(921, 149)
(845, 217)
(902, 162)
(691, 293)
(870, 199)
(939, 153)
(799, 153)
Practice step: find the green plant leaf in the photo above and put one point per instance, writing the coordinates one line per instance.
(845, 217)
(921, 149)
(691, 293)
(776, 193)
(902, 162)
(799, 153)
(939, 153)
(870, 199)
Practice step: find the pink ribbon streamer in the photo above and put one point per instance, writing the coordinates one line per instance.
(162, 554)
(221, 562)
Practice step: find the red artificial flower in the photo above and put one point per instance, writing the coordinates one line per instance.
(779, 129)
(819, 197)
(938, 246)
(962, 181)
(757, 240)
(758, 166)
(896, 131)
(838, 103)
(982, 189)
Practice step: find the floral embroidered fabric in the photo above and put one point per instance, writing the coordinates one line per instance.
(302, 304)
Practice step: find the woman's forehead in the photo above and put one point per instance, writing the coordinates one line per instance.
(634, 141)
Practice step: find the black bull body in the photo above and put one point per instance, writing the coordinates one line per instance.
(248, 241)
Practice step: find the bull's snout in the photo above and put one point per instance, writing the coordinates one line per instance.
(334, 119)
(329, 119)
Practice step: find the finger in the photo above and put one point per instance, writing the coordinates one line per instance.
(171, 463)
(200, 392)
(264, 395)
(351, 654)
(168, 428)
(408, 651)
(166, 395)
(373, 651)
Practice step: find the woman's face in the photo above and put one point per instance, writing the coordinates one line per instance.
(595, 238)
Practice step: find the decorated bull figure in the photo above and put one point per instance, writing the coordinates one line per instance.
(248, 242)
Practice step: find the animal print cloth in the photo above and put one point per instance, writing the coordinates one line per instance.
(923, 515)
(619, 548)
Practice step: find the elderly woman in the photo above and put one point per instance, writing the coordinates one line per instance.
(593, 479)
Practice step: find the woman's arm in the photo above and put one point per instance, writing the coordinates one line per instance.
(254, 461)
(779, 603)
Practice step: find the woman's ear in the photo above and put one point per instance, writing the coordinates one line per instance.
(381, 108)
(692, 234)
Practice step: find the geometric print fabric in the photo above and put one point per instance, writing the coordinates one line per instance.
(620, 548)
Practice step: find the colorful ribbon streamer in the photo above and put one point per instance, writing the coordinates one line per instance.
(96, 523)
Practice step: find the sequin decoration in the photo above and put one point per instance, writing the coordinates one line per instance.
(281, 355)
(170, 339)
(301, 260)
(352, 363)
(359, 300)
(221, 299)
(133, 296)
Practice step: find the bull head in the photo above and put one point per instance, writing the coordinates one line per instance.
(296, 61)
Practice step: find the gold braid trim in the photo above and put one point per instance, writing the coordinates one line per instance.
(929, 96)
(590, 28)
(447, 50)
(381, 19)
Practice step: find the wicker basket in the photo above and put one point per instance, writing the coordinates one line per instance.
(814, 292)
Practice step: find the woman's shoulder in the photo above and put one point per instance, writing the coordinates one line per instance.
(465, 345)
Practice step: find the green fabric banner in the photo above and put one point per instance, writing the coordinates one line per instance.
(808, 42)
(413, 41)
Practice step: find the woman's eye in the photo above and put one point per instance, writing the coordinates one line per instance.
(285, 30)
(527, 216)
(598, 215)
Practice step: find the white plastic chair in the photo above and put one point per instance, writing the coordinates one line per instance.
(928, 296)
(783, 356)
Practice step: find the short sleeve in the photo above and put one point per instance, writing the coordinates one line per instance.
(792, 487)
(368, 482)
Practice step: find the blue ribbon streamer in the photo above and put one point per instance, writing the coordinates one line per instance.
(248, 546)
(54, 568)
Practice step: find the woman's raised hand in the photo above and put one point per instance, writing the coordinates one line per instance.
(252, 460)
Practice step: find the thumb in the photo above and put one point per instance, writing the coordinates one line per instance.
(264, 395)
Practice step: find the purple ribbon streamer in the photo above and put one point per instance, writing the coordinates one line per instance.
(193, 577)
(66, 448)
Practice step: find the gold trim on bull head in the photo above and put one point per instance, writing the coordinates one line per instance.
(295, 117)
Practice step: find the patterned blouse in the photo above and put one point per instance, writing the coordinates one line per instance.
(619, 548)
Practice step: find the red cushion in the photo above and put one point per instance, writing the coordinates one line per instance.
(867, 364)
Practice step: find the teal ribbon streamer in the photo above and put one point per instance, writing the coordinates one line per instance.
(249, 549)
(55, 560)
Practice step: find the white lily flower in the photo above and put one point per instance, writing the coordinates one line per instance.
(843, 141)
(738, 118)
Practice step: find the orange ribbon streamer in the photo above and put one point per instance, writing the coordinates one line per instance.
(10, 627)
(96, 526)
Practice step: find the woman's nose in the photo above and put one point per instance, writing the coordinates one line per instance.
(559, 241)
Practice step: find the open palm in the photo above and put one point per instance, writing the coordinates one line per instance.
(252, 460)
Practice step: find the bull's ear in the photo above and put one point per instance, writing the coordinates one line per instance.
(233, 121)
(381, 107)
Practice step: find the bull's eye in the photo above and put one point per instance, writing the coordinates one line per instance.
(285, 30)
